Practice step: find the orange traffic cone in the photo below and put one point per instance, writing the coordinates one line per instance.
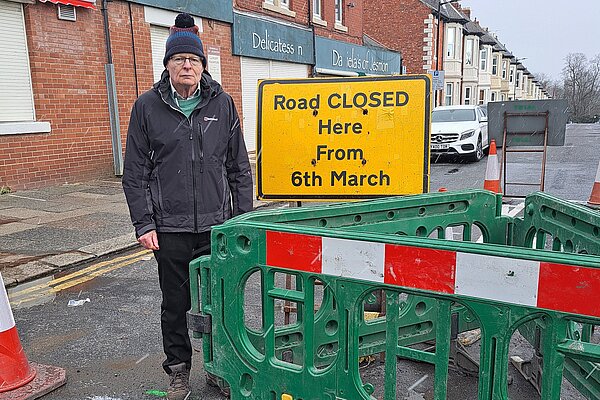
(14, 367)
(594, 200)
(492, 171)
(16, 373)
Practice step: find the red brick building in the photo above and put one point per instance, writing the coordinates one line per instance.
(59, 122)
(407, 26)
(56, 124)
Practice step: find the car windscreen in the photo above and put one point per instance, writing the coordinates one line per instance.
(457, 115)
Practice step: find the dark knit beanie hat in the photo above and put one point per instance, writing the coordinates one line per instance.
(183, 38)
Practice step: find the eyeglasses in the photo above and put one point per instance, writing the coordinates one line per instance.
(179, 60)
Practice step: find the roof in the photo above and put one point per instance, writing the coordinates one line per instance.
(507, 54)
(447, 12)
(472, 28)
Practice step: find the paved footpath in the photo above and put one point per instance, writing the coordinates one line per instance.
(46, 230)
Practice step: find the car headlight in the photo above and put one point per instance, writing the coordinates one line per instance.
(467, 134)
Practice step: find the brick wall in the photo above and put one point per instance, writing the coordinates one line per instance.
(400, 25)
(69, 92)
(69, 89)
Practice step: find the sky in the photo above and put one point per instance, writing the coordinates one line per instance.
(544, 31)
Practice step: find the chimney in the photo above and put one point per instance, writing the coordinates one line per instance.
(467, 12)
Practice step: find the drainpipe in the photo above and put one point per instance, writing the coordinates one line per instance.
(312, 28)
(111, 90)
(462, 68)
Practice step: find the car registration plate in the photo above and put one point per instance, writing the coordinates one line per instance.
(437, 146)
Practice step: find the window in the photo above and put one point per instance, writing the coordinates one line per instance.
(279, 6)
(519, 79)
(448, 94)
(512, 75)
(458, 115)
(483, 60)
(317, 9)
(16, 95)
(339, 17)
(450, 42)
(504, 63)
(493, 96)
(481, 96)
(467, 95)
(495, 66)
(469, 52)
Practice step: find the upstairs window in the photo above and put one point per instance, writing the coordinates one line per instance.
(339, 15)
(317, 13)
(504, 63)
(495, 66)
(279, 6)
(483, 60)
(450, 34)
(469, 52)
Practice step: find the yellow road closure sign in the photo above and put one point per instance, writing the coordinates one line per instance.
(343, 138)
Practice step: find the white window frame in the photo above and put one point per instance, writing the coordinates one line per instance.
(494, 65)
(339, 16)
(482, 99)
(504, 69)
(448, 92)
(468, 95)
(279, 6)
(483, 59)
(317, 9)
(450, 42)
(519, 78)
(469, 46)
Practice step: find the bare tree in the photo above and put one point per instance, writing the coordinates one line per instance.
(582, 85)
(553, 87)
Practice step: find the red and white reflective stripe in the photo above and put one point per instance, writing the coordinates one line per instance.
(7, 320)
(525, 282)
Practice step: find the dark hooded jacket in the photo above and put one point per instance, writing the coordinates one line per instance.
(185, 174)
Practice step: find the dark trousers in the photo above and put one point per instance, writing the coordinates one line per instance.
(176, 252)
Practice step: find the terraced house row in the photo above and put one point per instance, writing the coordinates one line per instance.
(71, 69)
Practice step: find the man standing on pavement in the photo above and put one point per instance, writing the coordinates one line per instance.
(186, 169)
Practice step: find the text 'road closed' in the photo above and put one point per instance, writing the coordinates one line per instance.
(343, 138)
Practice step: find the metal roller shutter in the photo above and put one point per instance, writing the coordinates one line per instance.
(158, 39)
(16, 99)
(254, 69)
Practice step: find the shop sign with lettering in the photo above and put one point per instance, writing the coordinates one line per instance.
(258, 38)
(342, 56)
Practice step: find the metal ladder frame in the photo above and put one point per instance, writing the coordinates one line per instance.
(506, 150)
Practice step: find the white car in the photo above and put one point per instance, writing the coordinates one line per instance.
(459, 130)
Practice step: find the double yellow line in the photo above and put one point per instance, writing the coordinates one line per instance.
(32, 293)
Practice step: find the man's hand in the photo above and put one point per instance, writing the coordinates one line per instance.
(149, 240)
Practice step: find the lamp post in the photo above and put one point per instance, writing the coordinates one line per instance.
(517, 61)
(437, 39)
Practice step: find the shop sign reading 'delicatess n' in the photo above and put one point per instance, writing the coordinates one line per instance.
(343, 138)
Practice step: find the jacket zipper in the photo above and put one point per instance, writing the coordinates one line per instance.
(201, 147)
(194, 175)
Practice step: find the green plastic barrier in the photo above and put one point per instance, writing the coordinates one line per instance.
(341, 254)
